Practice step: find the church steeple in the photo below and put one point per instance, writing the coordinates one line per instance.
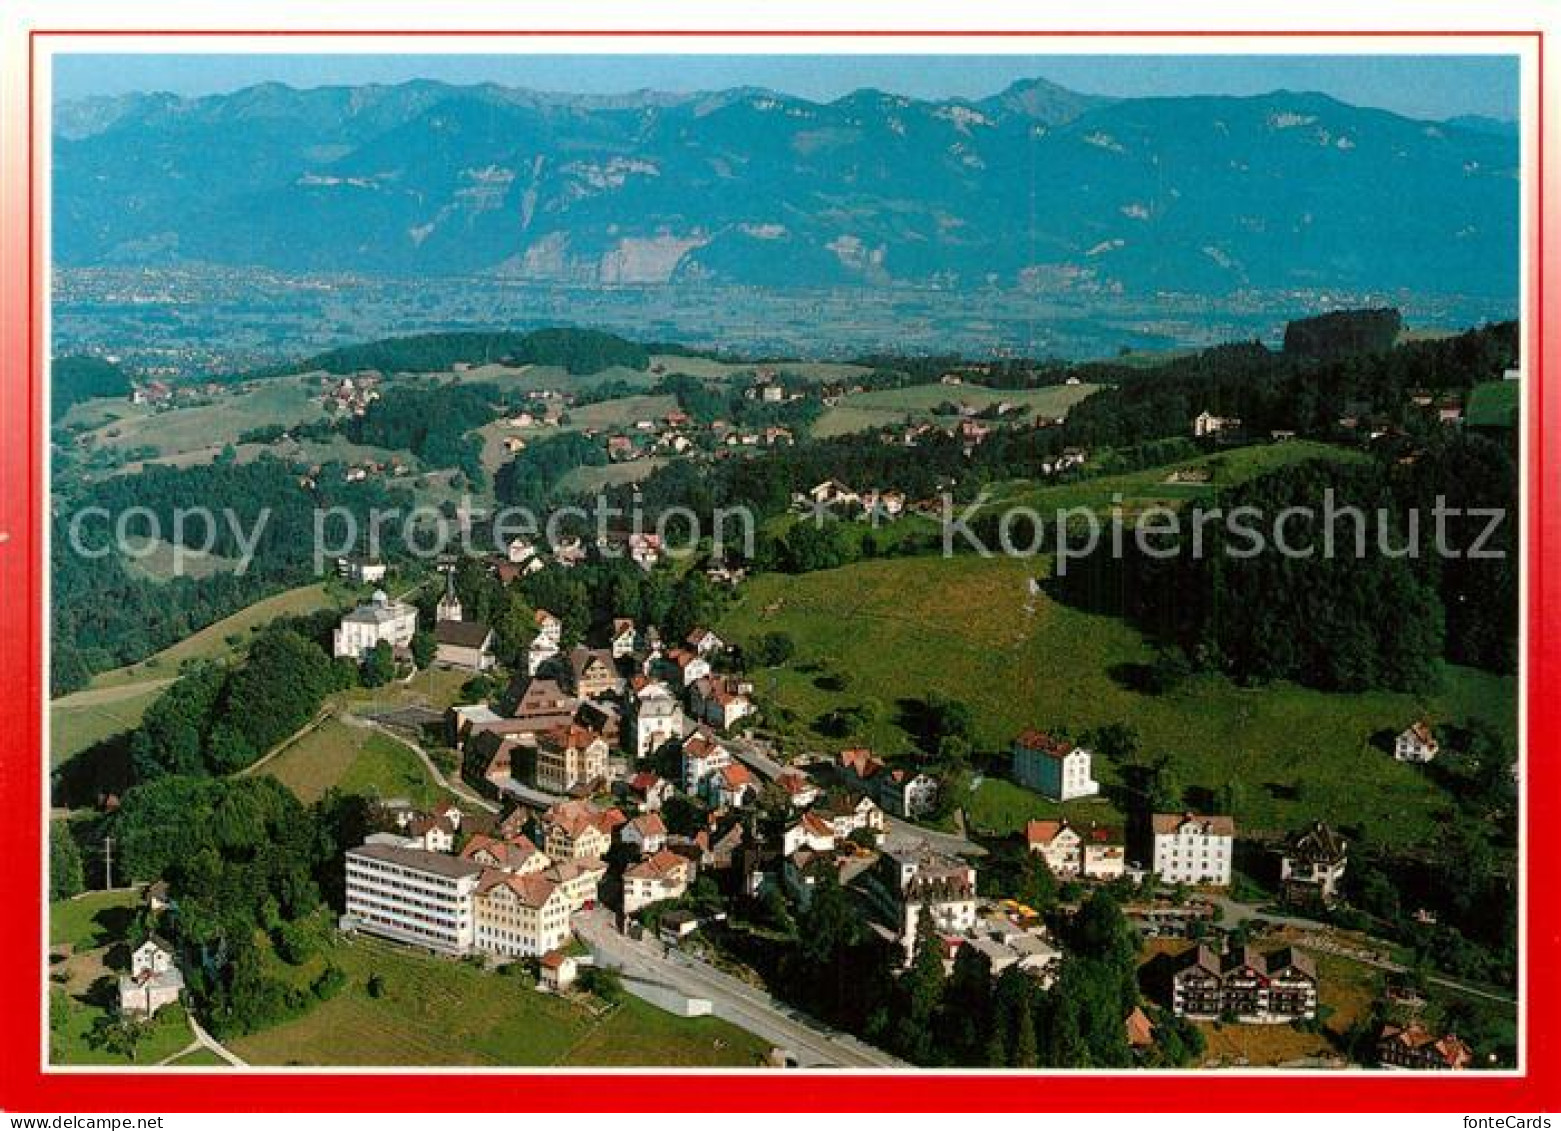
(449, 604)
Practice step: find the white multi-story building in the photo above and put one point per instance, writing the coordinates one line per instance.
(381, 620)
(658, 718)
(412, 896)
(1191, 849)
(941, 886)
(1055, 767)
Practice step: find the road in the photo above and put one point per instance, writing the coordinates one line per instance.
(731, 999)
(1322, 938)
(756, 755)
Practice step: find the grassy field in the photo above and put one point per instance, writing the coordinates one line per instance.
(883, 407)
(155, 559)
(1495, 404)
(1157, 486)
(355, 759)
(96, 919)
(86, 718)
(200, 1058)
(286, 401)
(591, 480)
(212, 641)
(970, 628)
(709, 370)
(94, 928)
(435, 1011)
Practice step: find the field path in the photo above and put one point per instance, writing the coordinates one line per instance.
(456, 786)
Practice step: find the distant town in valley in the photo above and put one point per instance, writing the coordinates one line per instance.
(857, 794)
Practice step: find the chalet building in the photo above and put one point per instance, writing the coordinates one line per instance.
(1192, 849)
(1254, 988)
(1095, 852)
(1053, 767)
(517, 855)
(1416, 744)
(1312, 867)
(1416, 1048)
(594, 672)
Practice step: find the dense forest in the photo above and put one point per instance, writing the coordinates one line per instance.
(216, 719)
(434, 424)
(106, 616)
(249, 869)
(1373, 604)
(577, 351)
(80, 378)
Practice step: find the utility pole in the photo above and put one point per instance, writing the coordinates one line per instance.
(108, 863)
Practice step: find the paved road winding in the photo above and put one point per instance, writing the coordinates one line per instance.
(813, 1044)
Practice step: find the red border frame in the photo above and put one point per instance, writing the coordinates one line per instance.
(23, 1086)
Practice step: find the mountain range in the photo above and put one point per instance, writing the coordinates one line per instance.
(1037, 186)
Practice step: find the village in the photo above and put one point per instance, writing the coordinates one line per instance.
(624, 797)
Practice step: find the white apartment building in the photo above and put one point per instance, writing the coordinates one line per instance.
(382, 619)
(1191, 849)
(412, 896)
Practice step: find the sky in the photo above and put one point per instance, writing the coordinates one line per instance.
(1420, 86)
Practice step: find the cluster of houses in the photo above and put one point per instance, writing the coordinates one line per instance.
(352, 394)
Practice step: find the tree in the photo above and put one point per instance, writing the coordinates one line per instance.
(424, 648)
(774, 649)
(66, 875)
(379, 666)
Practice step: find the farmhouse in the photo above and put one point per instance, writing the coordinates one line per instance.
(1416, 744)
(1415, 1047)
(153, 982)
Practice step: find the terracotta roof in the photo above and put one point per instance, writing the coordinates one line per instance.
(657, 866)
(1043, 832)
(553, 959)
(736, 775)
(508, 853)
(1043, 743)
(1140, 1030)
(861, 762)
(650, 824)
(534, 890)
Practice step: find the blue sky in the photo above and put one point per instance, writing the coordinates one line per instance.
(1419, 86)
